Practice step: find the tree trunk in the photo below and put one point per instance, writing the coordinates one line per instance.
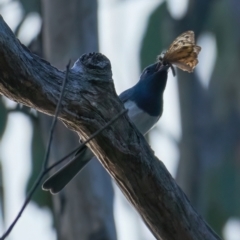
(85, 207)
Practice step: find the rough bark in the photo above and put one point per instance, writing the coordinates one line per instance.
(85, 207)
(89, 103)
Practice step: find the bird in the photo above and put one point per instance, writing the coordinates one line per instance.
(144, 102)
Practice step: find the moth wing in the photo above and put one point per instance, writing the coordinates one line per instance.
(197, 49)
(183, 52)
(184, 66)
(180, 53)
(186, 38)
(189, 62)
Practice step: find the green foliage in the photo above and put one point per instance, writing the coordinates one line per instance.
(30, 6)
(2, 205)
(222, 195)
(3, 123)
(214, 191)
(155, 39)
(41, 198)
(3, 117)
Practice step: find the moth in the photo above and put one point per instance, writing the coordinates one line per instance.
(182, 53)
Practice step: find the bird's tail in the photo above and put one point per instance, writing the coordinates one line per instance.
(62, 177)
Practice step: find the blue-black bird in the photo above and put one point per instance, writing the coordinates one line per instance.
(144, 102)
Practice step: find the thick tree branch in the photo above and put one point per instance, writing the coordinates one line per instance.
(89, 103)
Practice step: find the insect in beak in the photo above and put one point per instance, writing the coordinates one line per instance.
(183, 53)
(169, 65)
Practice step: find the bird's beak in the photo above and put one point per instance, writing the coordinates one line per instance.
(162, 67)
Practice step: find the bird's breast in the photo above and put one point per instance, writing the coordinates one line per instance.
(142, 120)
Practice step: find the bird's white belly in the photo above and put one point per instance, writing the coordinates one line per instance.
(143, 121)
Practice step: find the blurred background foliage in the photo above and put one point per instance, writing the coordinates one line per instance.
(209, 148)
(209, 164)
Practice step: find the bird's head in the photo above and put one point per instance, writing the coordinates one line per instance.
(156, 71)
(148, 92)
(153, 79)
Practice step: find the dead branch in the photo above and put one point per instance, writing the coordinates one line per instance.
(89, 103)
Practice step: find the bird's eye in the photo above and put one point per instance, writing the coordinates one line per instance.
(147, 71)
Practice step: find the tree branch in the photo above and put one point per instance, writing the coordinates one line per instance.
(89, 103)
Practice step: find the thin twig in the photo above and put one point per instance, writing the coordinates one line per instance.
(45, 163)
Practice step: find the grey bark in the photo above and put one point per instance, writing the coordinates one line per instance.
(85, 207)
(90, 101)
